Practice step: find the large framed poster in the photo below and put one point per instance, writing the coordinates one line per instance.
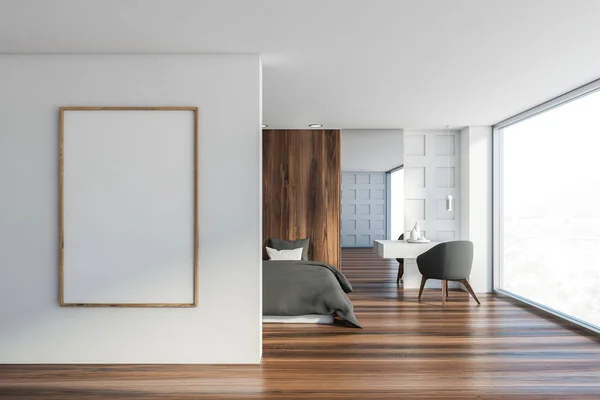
(128, 206)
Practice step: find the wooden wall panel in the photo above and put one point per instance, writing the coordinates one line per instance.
(301, 189)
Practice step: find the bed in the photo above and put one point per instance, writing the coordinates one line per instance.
(307, 291)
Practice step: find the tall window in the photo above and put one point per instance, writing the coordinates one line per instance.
(548, 208)
(397, 202)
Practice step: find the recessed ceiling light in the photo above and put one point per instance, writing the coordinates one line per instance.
(265, 126)
(315, 125)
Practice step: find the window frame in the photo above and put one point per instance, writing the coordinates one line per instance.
(498, 187)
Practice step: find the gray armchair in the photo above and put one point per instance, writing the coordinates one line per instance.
(448, 261)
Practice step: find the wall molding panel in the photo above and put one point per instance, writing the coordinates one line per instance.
(432, 171)
(364, 204)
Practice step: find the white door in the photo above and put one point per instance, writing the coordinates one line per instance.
(363, 208)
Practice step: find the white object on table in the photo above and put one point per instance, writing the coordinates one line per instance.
(418, 241)
(401, 249)
(415, 233)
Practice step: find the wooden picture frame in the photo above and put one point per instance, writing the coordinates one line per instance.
(183, 274)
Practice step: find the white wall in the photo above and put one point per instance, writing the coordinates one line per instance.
(431, 172)
(374, 150)
(226, 326)
(476, 196)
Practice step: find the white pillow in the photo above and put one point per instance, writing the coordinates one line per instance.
(295, 254)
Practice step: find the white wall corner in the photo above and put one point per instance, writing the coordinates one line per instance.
(260, 206)
(476, 194)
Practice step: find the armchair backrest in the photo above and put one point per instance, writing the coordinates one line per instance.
(448, 260)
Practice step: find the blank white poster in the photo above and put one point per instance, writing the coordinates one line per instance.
(128, 207)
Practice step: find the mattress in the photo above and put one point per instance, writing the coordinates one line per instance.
(298, 319)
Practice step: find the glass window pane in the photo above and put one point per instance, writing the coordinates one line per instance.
(551, 209)
(397, 203)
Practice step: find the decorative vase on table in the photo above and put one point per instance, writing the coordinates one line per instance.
(415, 234)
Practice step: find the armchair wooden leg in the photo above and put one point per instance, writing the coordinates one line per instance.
(446, 288)
(423, 280)
(400, 271)
(444, 283)
(470, 289)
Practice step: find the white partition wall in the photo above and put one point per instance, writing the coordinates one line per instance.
(431, 171)
(226, 325)
(372, 150)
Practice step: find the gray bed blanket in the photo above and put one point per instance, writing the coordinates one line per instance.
(306, 287)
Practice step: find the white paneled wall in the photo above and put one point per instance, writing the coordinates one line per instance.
(431, 172)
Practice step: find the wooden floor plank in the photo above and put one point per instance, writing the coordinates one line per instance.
(407, 349)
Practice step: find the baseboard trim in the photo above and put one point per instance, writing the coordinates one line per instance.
(551, 314)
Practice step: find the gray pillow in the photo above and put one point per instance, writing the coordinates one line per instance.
(279, 244)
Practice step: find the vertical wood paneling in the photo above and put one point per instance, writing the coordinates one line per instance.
(301, 189)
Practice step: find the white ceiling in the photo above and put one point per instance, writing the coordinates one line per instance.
(347, 63)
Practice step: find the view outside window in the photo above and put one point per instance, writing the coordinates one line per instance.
(550, 213)
(397, 203)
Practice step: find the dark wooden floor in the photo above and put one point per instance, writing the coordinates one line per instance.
(407, 349)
